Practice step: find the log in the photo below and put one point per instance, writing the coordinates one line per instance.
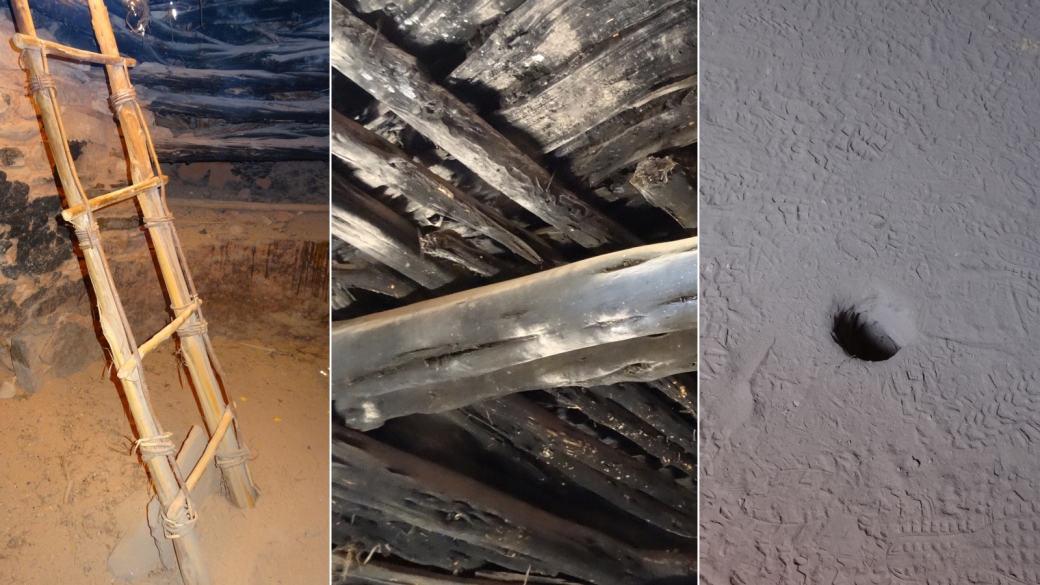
(451, 247)
(430, 497)
(366, 527)
(619, 73)
(634, 293)
(671, 128)
(372, 278)
(668, 186)
(433, 22)
(240, 12)
(625, 482)
(615, 417)
(380, 573)
(682, 388)
(376, 230)
(188, 148)
(653, 410)
(634, 360)
(391, 76)
(557, 31)
(250, 81)
(230, 109)
(365, 150)
(301, 55)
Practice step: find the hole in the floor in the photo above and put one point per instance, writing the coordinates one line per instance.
(872, 331)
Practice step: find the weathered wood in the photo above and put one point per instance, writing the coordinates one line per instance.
(371, 278)
(634, 360)
(391, 76)
(433, 498)
(682, 388)
(380, 573)
(652, 409)
(671, 128)
(371, 227)
(543, 36)
(668, 186)
(235, 82)
(434, 22)
(240, 12)
(232, 109)
(619, 72)
(392, 167)
(626, 482)
(448, 245)
(634, 293)
(189, 148)
(615, 417)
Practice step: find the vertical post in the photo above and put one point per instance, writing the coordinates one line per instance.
(193, 336)
(120, 339)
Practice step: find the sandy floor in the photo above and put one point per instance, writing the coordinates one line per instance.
(68, 488)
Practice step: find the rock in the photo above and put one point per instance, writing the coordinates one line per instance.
(27, 351)
(8, 390)
(75, 347)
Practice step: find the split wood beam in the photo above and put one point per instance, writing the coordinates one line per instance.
(625, 482)
(376, 230)
(193, 148)
(391, 76)
(667, 185)
(507, 328)
(369, 152)
(233, 109)
(409, 489)
(654, 411)
(253, 82)
(634, 360)
(615, 417)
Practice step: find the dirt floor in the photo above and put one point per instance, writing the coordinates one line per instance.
(69, 489)
(878, 163)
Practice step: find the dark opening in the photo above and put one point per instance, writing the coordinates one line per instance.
(863, 336)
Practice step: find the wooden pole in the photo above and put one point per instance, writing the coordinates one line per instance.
(112, 322)
(194, 346)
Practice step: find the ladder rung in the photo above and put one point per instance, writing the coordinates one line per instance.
(102, 201)
(163, 334)
(58, 50)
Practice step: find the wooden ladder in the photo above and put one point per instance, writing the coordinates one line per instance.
(155, 445)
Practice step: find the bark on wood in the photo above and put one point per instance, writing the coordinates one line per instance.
(635, 293)
(633, 66)
(391, 76)
(232, 109)
(625, 482)
(216, 81)
(634, 360)
(380, 573)
(188, 148)
(615, 417)
(435, 499)
(371, 227)
(653, 410)
(668, 186)
(392, 167)
(671, 128)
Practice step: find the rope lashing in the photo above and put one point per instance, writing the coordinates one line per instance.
(41, 82)
(196, 327)
(123, 97)
(152, 447)
(231, 458)
(89, 237)
(154, 222)
(177, 523)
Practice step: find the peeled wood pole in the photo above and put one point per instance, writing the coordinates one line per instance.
(161, 466)
(194, 345)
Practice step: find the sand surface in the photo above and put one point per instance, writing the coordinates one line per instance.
(69, 489)
(880, 159)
